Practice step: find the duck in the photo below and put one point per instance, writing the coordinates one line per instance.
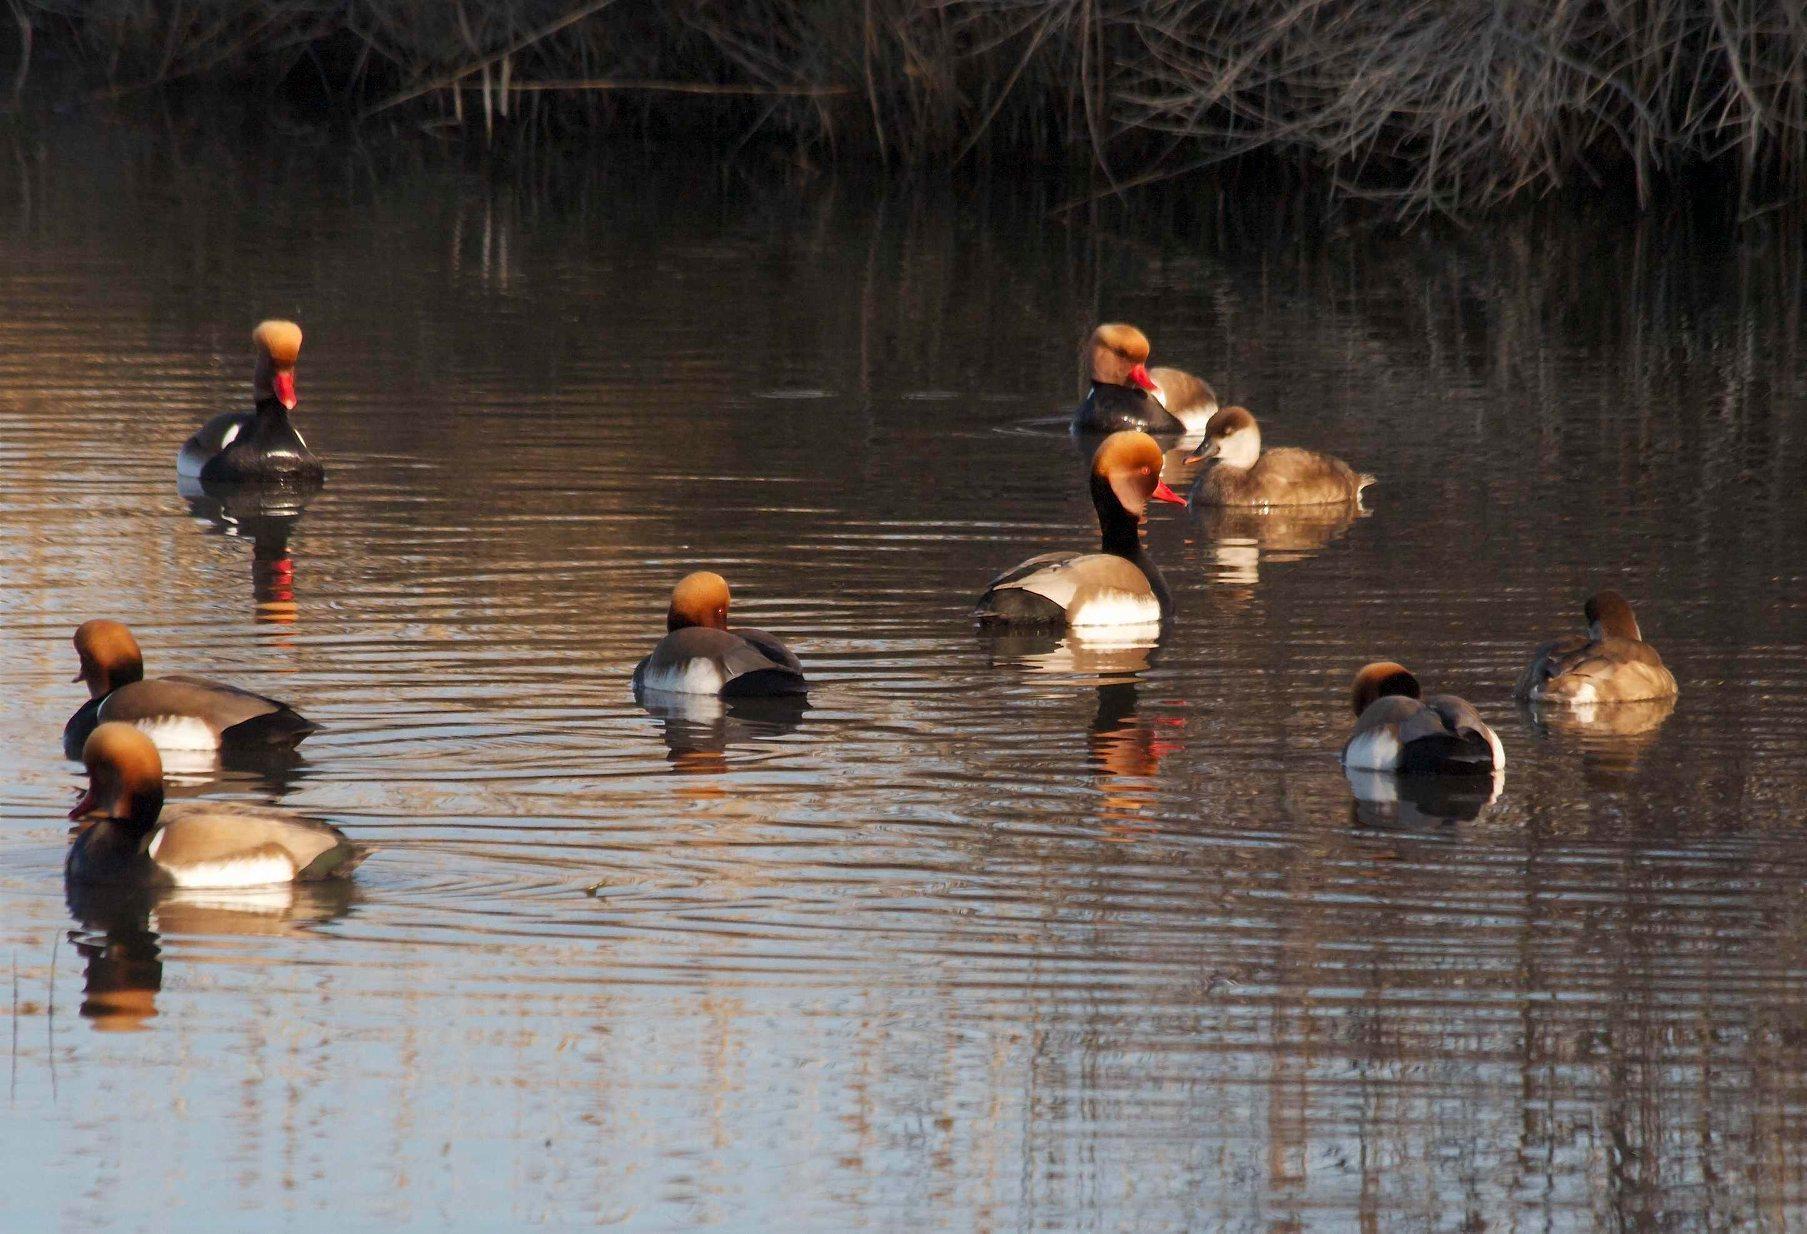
(259, 446)
(1397, 730)
(1611, 663)
(1245, 476)
(1117, 586)
(701, 655)
(179, 712)
(128, 837)
(1126, 394)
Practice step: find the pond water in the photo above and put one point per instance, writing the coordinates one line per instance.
(997, 934)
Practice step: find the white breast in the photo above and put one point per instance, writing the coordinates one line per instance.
(179, 733)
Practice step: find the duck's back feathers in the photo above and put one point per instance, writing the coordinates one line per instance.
(209, 440)
(1111, 409)
(1286, 476)
(1441, 734)
(1580, 670)
(1188, 398)
(704, 660)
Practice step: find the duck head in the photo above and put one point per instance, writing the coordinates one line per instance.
(125, 776)
(699, 599)
(1117, 355)
(110, 657)
(278, 345)
(1231, 437)
(1380, 679)
(1609, 615)
(1126, 471)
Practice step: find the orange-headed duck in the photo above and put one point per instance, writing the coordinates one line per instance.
(1396, 730)
(1611, 663)
(1126, 394)
(128, 836)
(1115, 587)
(237, 447)
(701, 655)
(1244, 476)
(178, 712)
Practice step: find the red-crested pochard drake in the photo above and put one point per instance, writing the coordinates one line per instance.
(1611, 663)
(130, 837)
(1245, 476)
(237, 447)
(1396, 730)
(1126, 394)
(701, 655)
(177, 712)
(1118, 586)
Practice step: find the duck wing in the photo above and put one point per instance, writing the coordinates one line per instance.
(208, 440)
(1083, 589)
(234, 715)
(1190, 398)
(770, 645)
(1600, 670)
(1305, 477)
(1448, 736)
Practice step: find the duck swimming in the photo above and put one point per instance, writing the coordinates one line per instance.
(177, 712)
(1126, 394)
(1396, 730)
(1611, 663)
(259, 446)
(1118, 585)
(701, 655)
(129, 837)
(1245, 476)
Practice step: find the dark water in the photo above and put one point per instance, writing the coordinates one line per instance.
(995, 936)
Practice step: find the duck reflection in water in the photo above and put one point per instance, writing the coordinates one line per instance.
(121, 929)
(1241, 537)
(1390, 801)
(1612, 738)
(1124, 749)
(699, 728)
(267, 517)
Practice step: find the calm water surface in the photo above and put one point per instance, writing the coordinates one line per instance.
(996, 935)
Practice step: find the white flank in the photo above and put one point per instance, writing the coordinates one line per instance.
(1499, 752)
(696, 676)
(260, 871)
(300, 438)
(230, 436)
(1375, 750)
(179, 733)
(1116, 608)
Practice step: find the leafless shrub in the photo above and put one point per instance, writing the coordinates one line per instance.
(1450, 105)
